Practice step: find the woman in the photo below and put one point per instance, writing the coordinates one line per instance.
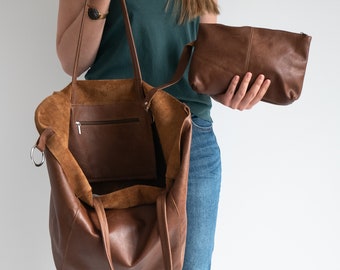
(161, 29)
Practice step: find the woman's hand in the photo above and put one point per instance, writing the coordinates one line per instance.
(238, 97)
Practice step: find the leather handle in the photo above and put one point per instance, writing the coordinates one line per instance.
(133, 51)
(162, 227)
(80, 39)
(104, 227)
(164, 231)
(128, 30)
(181, 67)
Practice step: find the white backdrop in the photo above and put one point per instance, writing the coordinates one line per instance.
(280, 203)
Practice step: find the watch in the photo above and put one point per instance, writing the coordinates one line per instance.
(94, 14)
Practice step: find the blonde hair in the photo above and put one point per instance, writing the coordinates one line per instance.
(189, 9)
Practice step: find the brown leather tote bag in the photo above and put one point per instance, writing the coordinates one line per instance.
(117, 154)
(220, 52)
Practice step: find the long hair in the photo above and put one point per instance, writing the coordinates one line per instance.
(190, 9)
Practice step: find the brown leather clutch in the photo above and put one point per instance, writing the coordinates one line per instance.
(221, 51)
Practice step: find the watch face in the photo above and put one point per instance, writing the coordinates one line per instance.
(93, 13)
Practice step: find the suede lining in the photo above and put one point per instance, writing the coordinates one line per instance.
(169, 114)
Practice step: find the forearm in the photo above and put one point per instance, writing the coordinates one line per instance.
(69, 20)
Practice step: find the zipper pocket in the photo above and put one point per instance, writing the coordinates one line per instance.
(79, 124)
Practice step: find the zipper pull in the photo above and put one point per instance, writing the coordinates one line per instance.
(79, 127)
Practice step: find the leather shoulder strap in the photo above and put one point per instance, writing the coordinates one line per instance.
(133, 51)
(181, 67)
(104, 227)
(164, 231)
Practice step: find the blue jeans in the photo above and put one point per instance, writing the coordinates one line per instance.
(203, 196)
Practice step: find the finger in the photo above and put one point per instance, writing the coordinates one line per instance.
(263, 90)
(225, 98)
(241, 91)
(252, 93)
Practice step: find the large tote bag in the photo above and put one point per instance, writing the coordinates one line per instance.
(117, 154)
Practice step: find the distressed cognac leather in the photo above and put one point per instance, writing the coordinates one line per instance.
(127, 220)
(221, 52)
(131, 212)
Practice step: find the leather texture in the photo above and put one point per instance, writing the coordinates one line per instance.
(109, 208)
(120, 131)
(221, 51)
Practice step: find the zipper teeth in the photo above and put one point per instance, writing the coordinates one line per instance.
(79, 124)
(108, 122)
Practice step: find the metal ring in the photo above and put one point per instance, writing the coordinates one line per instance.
(37, 164)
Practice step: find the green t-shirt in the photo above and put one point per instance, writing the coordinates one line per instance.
(159, 41)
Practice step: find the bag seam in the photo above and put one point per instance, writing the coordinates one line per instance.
(251, 34)
(69, 238)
